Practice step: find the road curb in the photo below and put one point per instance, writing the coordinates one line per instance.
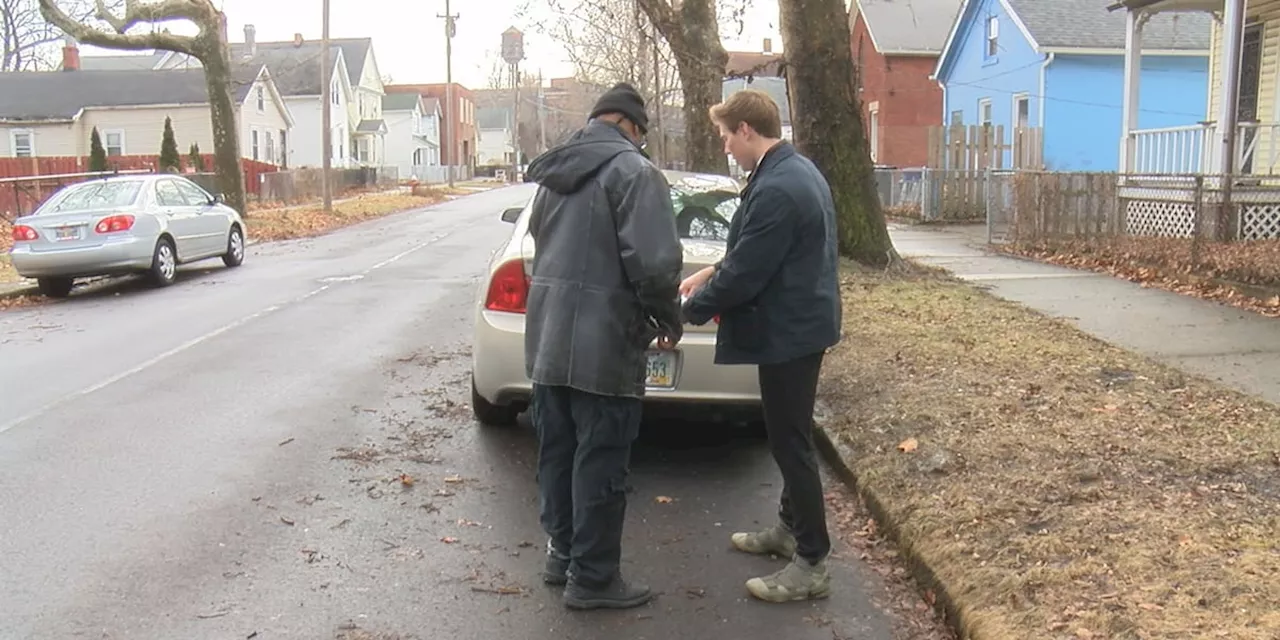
(951, 608)
(18, 291)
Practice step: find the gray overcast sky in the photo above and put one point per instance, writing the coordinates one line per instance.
(408, 38)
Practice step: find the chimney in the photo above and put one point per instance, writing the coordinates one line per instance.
(768, 45)
(70, 55)
(250, 42)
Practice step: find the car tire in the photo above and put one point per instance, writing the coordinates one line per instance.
(491, 415)
(164, 264)
(234, 256)
(55, 287)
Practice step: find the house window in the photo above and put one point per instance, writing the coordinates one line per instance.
(114, 142)
(993, 36)
(984, 112)
(253, 136)
(333, 94)
(262, 99)
(284, 150)
(957, 117)
(23, 144)
(1021, 112)
(271, 148)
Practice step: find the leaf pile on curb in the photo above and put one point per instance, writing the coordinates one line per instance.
(1056, 486)
(269, 225)
(1243, 274)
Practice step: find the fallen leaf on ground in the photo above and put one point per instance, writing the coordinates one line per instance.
(406, 480)
(448, 539)
(664, 500)
(453, 479)
(286, 521)
(909, 445)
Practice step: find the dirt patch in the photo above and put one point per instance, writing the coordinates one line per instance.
(306, 221)
(7, 274)
(1058, 487)
(1245, 275)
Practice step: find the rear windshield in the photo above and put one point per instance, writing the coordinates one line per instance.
(89, 196)
(703, 213)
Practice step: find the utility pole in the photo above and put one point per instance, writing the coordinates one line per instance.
(450, 29)
(542, 115)
(326, 112)
(661, 150)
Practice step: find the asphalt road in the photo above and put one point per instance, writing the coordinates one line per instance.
(286, 450)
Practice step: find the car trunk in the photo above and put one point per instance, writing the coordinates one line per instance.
(698, 255)
(71, 230)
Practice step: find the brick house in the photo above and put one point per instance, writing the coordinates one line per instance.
(462, 113)
(896, 45)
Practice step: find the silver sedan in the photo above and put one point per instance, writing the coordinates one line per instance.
(124, 224)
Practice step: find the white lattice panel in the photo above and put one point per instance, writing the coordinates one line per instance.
(1259, 221)
(1161, 219)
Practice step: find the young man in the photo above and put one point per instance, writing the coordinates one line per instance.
(605, 282)
(777, 295)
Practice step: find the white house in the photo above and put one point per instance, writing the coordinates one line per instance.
(493, 145)
(52, 114)
(413, 135)
(358, 130)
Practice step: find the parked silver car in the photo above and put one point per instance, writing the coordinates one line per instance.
(124, 224)
(686, 379)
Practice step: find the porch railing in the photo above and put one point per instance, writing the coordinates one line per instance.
(1195, 149)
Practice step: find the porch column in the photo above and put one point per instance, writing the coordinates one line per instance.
(1229, 107)
(1134, 19)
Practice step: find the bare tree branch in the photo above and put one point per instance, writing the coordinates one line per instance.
(194, 11)
(26, 39)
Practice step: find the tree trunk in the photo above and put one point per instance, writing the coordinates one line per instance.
(826, 119)
(693, 33)
(226, 144)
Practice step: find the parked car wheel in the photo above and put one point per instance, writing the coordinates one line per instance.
(55, 287)
(491, 415)
(234, 256)
(164, 264)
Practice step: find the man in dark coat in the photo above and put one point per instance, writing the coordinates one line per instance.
(777, 295)
(605, 282)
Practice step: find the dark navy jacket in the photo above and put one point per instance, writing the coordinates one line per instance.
(777, 290)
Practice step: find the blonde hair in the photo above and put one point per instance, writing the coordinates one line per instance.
(752, 106)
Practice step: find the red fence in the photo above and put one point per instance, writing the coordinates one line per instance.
(21, 197)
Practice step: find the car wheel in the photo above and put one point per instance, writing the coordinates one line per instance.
(234, 256)
(55, 287)
(491, 415)
(164, 264)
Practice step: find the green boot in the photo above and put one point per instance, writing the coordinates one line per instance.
(774, 540)
(799, 580)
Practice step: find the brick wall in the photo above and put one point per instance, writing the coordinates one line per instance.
(908, 102)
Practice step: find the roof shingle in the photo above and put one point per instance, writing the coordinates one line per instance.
(60, 95)
(1088, 24)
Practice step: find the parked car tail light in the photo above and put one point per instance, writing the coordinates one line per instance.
(717, 319)
(114, 224)
(23, 233)
(509, 288)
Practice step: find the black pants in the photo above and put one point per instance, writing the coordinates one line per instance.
(788, 391)
(584, 453)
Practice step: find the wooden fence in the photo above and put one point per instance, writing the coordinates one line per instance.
(980, 147)
(40, 177)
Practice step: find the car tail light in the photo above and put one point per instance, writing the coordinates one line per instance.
(717, 319)
(23, 233)
(114, 224)
(509, 288)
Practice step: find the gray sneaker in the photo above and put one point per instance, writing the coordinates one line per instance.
(799, 580)
(556, 571)
(774, 540)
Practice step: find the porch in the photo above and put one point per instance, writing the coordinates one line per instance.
(1223, 172)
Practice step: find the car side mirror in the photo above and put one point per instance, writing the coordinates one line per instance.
(218, 199)
(511, 215)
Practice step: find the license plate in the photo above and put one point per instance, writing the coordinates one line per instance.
(68, 233)
(661, 371)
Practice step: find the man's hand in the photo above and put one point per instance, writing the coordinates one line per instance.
(667, 343)
(696, 281)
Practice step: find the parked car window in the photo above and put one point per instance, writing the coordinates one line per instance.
(168, 195)
(704, 215)
(196, 196)
(88, 196)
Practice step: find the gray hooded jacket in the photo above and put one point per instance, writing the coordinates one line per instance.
(607, 264)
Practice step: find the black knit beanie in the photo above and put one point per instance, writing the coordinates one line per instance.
(623, 98)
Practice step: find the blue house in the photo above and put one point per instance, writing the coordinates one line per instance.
(1059, 65)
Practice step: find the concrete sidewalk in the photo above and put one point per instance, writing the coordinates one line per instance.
(1237, 348)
